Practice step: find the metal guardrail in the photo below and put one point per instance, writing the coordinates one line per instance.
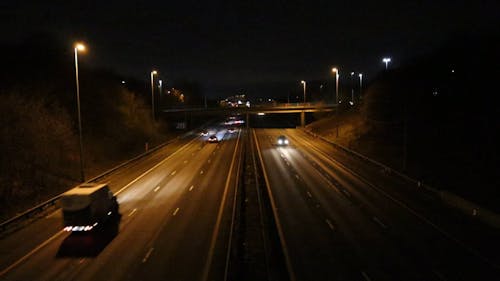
(448, 198)
(52, 202)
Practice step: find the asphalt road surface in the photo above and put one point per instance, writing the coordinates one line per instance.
(175, 220)
(336, 218)
(339, 225)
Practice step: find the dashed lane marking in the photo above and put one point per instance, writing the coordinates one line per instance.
(146, 257)
(330, 224)
(367, 278)
(132, 212)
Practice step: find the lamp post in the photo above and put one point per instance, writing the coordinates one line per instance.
(79, 47)
(386, 61)
(154, 72)
(352, 88)
(304, 83)
(360, 85)
(336, 70)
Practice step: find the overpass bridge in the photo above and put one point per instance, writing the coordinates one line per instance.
(300, 108)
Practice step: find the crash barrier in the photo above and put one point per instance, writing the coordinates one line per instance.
(450, 199)
(33, 212)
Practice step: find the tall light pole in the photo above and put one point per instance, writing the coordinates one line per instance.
(154, 72)
(360, 85)
(304, 83)
(336, 70)
(352, 88)
(79, 47)
(386, 61)
(336, 84)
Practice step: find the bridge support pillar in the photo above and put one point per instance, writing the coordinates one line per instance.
(303, 119)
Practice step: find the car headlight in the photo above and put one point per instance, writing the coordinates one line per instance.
(280, 142)
(286, 141)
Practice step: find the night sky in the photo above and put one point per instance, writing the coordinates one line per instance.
(247, 46)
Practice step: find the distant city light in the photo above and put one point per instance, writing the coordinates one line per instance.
(261, 113)
(123, 82)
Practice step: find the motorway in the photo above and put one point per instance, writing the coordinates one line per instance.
(175, 217)
(336, 224)
(336, 220)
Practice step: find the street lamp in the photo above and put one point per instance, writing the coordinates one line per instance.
(386, 61)
(352, 88)
(304, 83)
(154, 72)
(79, 47)
(360, 85)
(336, 70)
(336, 84)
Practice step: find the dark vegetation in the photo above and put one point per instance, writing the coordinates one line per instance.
(443, 106)
(39, 128)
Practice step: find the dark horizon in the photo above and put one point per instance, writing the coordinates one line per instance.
(245, 46)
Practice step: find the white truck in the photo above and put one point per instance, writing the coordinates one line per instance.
(86, 206)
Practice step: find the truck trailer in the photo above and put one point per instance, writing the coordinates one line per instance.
(87, 206)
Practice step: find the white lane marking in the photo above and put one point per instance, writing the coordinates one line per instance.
(283, 243)
(346, 193)
(133, 211)
(330, 224)
(209, 161)
(156, 189)
(297, 176)
(191, 187)
(439, 275)
(309, 194)
(173, 173)
(146, 257)
(154, 167)
(367, 278)
(175, 212)
(379, 222)
(25, 257)
(215, 232)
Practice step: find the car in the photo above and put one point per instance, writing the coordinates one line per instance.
(213, 139)
(204, 133)
(282, 140)
(231, 130)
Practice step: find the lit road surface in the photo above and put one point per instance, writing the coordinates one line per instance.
(173, 224)
(335, 225)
